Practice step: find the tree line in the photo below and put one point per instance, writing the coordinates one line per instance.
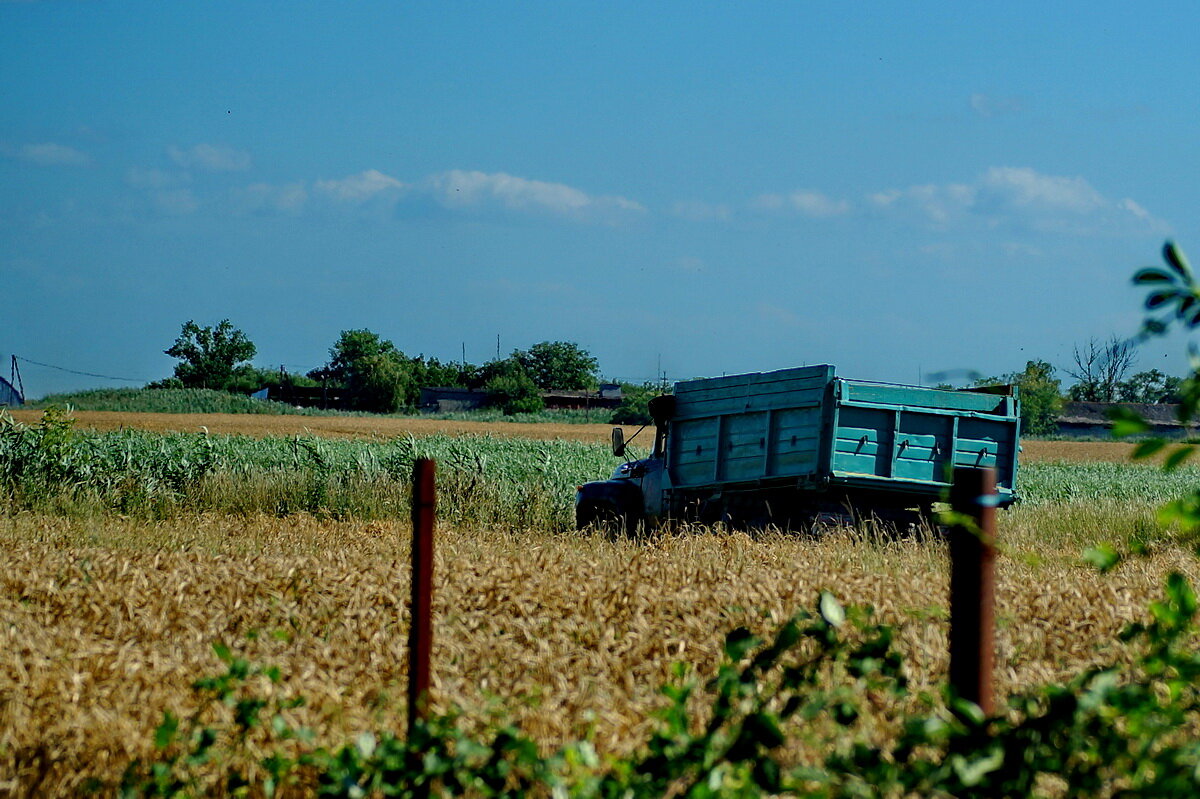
(1101, 370)
(372, 374)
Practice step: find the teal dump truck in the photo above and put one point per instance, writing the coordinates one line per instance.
(795, 446)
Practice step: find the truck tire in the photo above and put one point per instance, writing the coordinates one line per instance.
(603, 517)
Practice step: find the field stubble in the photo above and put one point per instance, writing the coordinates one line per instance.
(107, 621)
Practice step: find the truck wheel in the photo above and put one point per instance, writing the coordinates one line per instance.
(601, 516)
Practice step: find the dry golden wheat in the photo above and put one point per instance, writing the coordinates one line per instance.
(106, 622)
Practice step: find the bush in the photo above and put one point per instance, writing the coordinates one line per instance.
(513, 391)
(635, 404)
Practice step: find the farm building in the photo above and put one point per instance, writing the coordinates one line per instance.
(1090, 419)
(9, 396)
(449, 400)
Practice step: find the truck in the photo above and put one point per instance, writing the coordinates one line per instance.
(798, 446)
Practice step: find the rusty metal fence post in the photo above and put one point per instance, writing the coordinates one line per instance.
(420, 637)
(972, 586)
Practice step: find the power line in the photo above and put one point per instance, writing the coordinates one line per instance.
(77, 372)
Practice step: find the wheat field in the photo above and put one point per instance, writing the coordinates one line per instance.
(107, 621)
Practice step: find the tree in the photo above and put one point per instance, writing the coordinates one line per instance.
(512, 390)
(1041, 397)
(1040, 393)
(210, 356)
(558, 365)
(1151, 387)
(1099, 369)
(375, 375)
(635, 404)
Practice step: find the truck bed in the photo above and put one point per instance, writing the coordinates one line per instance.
(808, 427)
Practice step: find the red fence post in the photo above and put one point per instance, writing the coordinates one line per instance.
(420, 636)
(973, 586)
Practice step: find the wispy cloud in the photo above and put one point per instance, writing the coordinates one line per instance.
(47, 154)
(1018, 196)
(461, 190)
(805, 202)
(368, 185)
(210, 158)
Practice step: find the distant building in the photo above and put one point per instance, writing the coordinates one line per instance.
(9, 396)
(445, 399)
(1090, 419)
(452, 400)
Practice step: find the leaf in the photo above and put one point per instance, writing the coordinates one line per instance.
(1176, 458)
(365, 743)
(1176, 259)
(973, 773)
(738, 642)
(1157, 298)
(223, 652)
(1102, 557)
(1181, 594)
(164, 734)
(831, 610)
(1127, 422)
(1151, 275)
(1148, 447)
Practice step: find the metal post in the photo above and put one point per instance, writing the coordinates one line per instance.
(972, 586)
(420, 639)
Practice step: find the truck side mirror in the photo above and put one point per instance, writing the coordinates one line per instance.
(618, 441)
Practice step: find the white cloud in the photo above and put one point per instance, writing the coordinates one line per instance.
(805, 202)
(1018, 196)
(938, 204)
(459, 189)
(210, 158)
(1023, 187)
(50, 154)
(357, 189)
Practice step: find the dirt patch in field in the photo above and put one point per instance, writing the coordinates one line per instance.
(260, 425)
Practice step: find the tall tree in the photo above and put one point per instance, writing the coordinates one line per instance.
(558, 364)
(1099, 369)
(374, 373)
(210, 356)
(1151, 387)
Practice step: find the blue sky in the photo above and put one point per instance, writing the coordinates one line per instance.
(896, 189)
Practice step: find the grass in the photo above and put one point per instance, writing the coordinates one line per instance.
(203, 400)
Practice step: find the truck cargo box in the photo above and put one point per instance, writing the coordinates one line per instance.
(808, 427)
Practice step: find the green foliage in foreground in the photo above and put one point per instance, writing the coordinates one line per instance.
(830, 678)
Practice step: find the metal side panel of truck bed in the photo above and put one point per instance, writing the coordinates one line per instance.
(806, 426)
